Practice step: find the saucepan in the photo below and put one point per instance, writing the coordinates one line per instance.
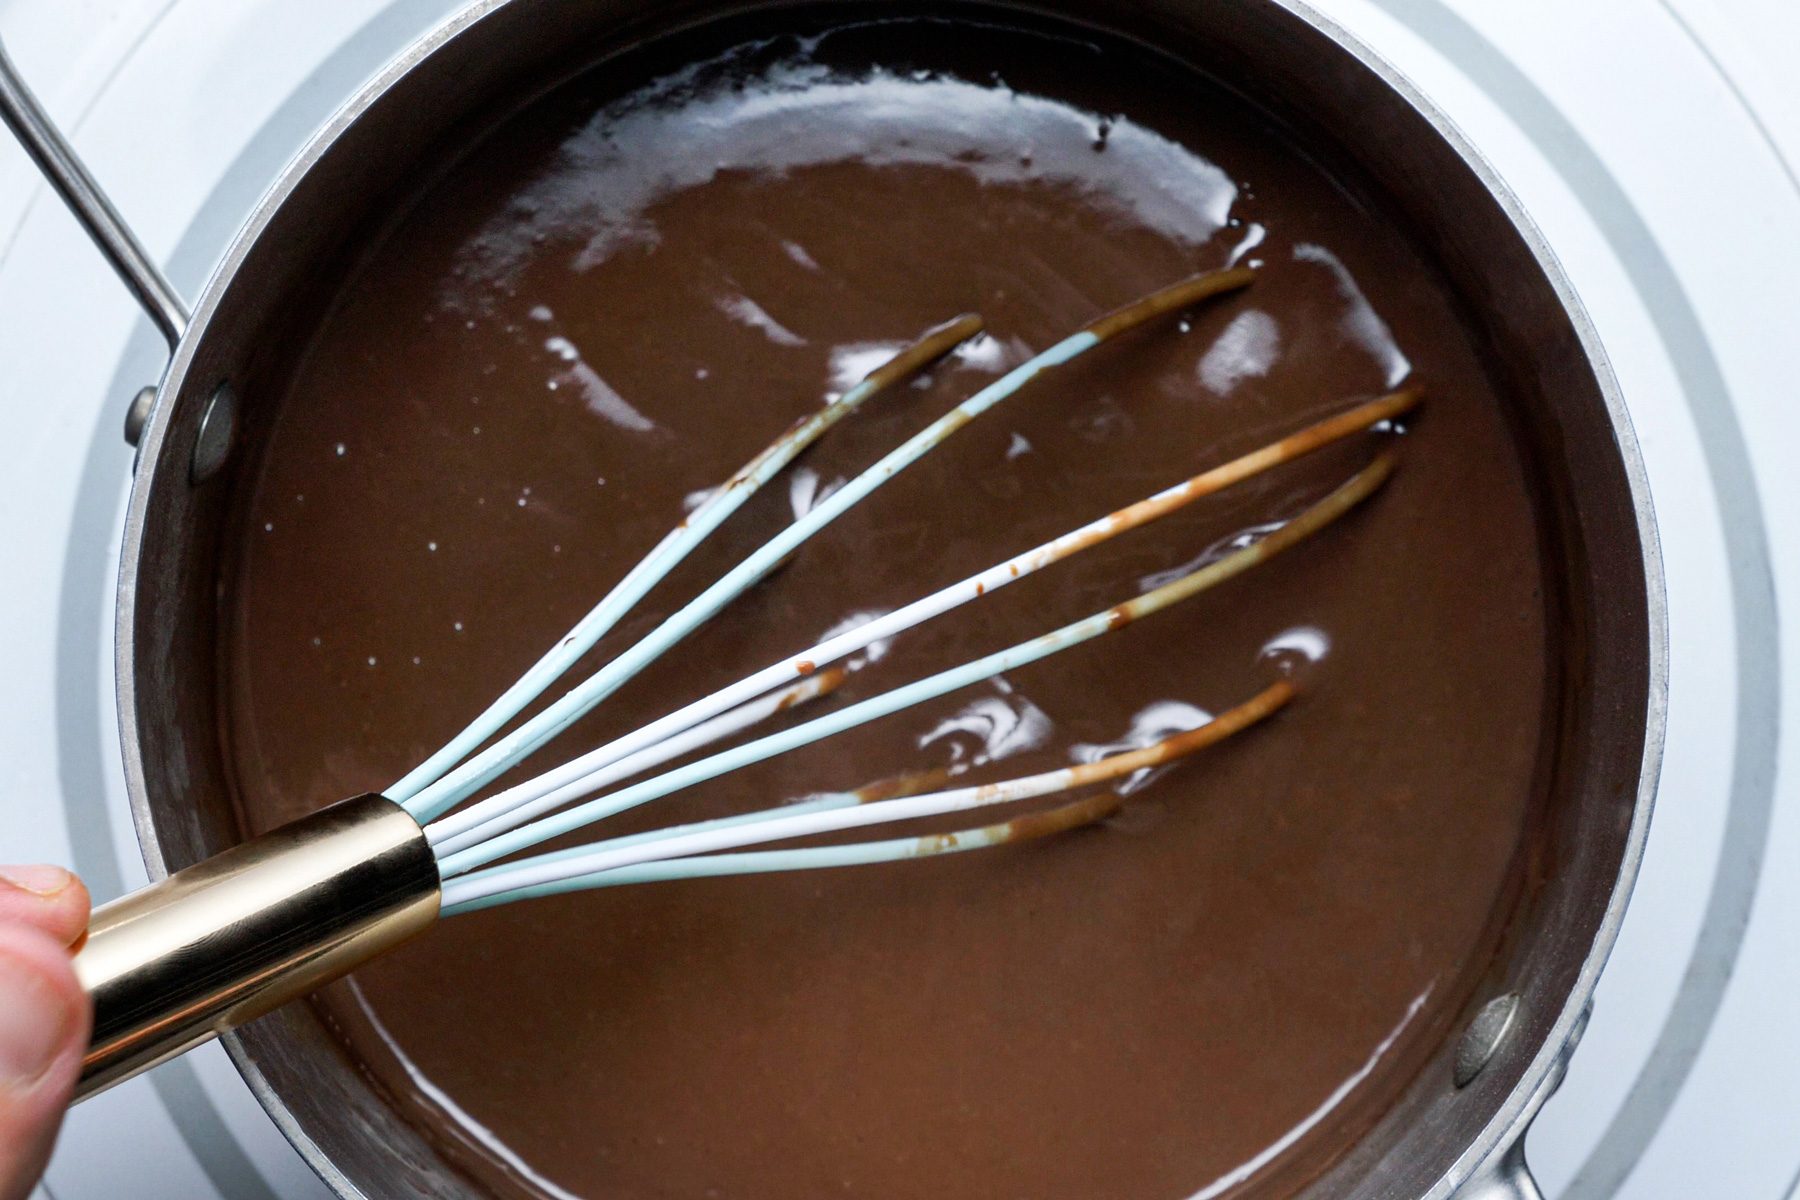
(1459, 1128)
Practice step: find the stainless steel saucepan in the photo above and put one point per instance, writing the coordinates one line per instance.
(1459, 1128)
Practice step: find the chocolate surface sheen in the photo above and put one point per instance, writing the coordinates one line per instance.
(623, 292)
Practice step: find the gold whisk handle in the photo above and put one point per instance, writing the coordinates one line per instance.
(231, 938)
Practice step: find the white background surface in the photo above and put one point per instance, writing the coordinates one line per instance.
(1647, 138)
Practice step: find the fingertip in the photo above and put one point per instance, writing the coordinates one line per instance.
(46, 898)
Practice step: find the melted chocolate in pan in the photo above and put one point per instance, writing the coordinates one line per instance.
(622, 294)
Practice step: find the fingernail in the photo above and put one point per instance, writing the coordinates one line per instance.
(34, 1023)
(40, 880)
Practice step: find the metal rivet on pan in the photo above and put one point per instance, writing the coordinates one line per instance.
(1483, 1037)
(218, 426)
(138, 415)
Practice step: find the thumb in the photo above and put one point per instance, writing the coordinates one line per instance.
(48, 897)
(44, 1018)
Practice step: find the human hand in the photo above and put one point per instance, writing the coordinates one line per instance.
(44, 1016)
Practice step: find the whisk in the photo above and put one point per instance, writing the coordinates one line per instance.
(241, 933)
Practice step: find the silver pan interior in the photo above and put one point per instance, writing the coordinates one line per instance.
(501, 53)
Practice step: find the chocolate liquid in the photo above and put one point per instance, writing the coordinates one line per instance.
(612, 302)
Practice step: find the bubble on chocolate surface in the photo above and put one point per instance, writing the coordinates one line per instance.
(1213, 553)
(849, 363)
(1153, 723)
(1308, 641)
(806, 491)
(874, 652)
(990, 729)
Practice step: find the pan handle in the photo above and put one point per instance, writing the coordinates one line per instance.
(1506, 1178)
(56, 159)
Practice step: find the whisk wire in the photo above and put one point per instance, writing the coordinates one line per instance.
(567, 870)
(1031, 825)
(763, 862)
(1322, 513)
(461, 782)
(675, 547)
(637, 751)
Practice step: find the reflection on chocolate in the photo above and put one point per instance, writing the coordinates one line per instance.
(611, 303)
